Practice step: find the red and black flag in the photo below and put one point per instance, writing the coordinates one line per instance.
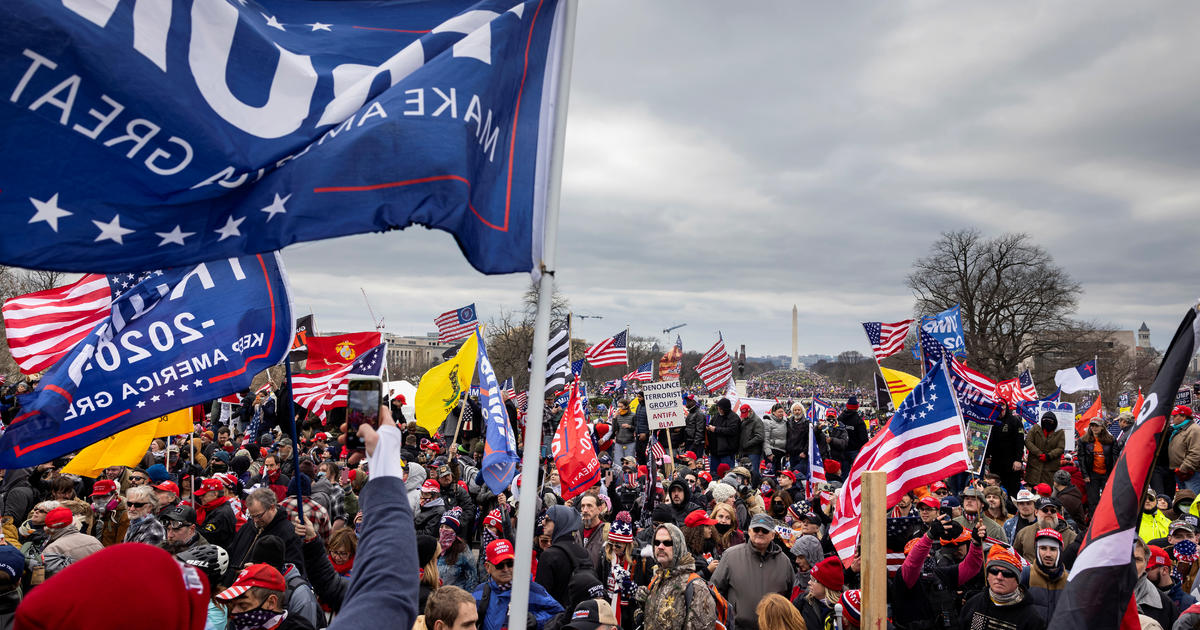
(304, 328)
(1102, 579)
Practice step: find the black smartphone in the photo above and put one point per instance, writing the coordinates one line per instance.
(364, 397)
(946, 511)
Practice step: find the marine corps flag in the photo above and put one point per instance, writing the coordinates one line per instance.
(1101, 583)
(441, 387)
(330, 352)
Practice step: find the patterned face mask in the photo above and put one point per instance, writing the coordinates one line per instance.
(255, 619)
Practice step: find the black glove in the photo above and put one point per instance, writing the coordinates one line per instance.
(977, 536)
(937, 529)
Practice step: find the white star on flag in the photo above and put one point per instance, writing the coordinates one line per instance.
(318, 26)
(112, 230)
(230, 228)
(154, 399)
(197, 383)
(48, 211)
(272, 22)
(174, 236)
(276, 207)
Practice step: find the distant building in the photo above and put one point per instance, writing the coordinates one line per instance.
(418, 351)
(1072, 347)
(1143, 336)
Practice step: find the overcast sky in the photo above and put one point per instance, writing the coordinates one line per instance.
(727, 160)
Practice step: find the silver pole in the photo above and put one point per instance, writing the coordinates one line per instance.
(526, 514)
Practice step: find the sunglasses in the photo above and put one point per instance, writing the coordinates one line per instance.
(139, 479)
(505, 564)
(1002, 573)
(664, 543)
(136, 504)
(177, 526)
(1050, 510)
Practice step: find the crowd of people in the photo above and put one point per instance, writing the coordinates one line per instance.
(728, 532)
(795, 385)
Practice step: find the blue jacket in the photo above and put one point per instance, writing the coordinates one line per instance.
(383, 591)
(541, 605)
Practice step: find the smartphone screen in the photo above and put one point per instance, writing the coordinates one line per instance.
(362, 407)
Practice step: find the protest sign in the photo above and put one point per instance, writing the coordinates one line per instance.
(977, 441)
(1183, 397)
(1065, 412)
(664, 405)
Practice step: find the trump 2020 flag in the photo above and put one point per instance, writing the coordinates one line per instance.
(500, 457)
(1077, 379)
(177, 338)
(141, 135)
(573, 450)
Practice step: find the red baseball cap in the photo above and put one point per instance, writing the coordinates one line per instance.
(698, 518)
(430, 486)
(930, 502)
(167, 486)
(690, 455)
(59, 517)
(104, 487)
(1182, 410)
(937, 485)
(789, 474)
(321, 436)
(1158, 557)
(263, 575)
(210, 485)
(499, 550)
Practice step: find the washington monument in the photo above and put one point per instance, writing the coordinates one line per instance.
(795, 338)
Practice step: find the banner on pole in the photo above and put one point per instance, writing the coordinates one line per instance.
(946, 328)
(177, 338)
(1065, 412)
(664, 405)
(977, 441)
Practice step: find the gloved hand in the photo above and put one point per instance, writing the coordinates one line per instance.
(979, 534)
(937, 529)
(1183, 475)
(1042, 457)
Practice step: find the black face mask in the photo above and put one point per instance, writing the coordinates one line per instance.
(1048, 425)
(722, 528)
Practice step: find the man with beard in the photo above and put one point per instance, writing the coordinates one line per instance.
(1159, 572)
(1026, 515)
(1151, 601)
(559, 563)
(972, 506)
(181, 530)
(680, 496)
(1046, 578)
(665, 599)
(927, 592)
(1048, 510)
(456, 496)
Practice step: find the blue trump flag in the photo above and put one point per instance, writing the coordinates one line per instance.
(500, 457)
(946, 328)
(179, 337)
(140, 135)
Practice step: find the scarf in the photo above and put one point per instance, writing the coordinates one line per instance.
(1005, 600)
(342, 568)
(1146, 594)
(1175, 429)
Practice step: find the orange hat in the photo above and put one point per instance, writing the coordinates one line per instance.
(1004, 557)
(963, 536)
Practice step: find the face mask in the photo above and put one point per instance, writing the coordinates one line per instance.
(722, 528)
(1047, 425)
(252, 619)
(446, 538)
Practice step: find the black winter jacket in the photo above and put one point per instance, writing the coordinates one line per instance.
(857, 429)
(726, 433)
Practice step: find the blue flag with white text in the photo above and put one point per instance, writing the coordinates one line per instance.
(946, 328)
(142, 135)
(500, 457)
(177, 338)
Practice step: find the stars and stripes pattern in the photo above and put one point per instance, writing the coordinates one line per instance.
(615, 385)
(886, 339)
(657, 451)
(456, 324)
(715, 367)
(923, 442)
(321, 391)
(1026, 391)
(975, 391)
(816, 466)
(576, 368)
(643, 372)
(43, 326)
(611, 351)
(508, 389)
(522, 402)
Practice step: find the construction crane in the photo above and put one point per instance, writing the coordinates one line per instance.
(377, 322)
(574, 316)
(667, 331)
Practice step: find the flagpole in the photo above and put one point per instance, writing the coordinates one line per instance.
(296, 440)
(526, 510)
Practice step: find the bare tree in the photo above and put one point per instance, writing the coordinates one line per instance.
(1010, 290)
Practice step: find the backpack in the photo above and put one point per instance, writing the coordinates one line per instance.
(723, 607)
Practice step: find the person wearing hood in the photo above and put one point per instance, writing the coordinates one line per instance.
(19, 498)
(1069, 496)
(1151, 601)
(429, 517)
(1184, 448)
(1046, 578)
(413, 479)
(696, 419)
(680, 497)
(824, 592)
(750, 441)
(1049, 514)
(724, 433)
(807, 552)
(564, 557)
(666, 598)
(856, 430)
(1154, 524)
(1003, 604)
(750, 571)
(1045, 445)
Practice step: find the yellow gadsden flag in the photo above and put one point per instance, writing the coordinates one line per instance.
(899, 384)
(129, 446)
(440, 387)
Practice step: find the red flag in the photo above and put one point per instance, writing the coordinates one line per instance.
(574, 455)
(1084, 420)
(338, 350)
(1137, 406)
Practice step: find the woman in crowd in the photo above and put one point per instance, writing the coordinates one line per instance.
(456, 562)
(727, 533)
(342, 546)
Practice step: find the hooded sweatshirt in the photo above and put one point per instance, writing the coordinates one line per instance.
(564, 557)
(665, 603)
(416, 477)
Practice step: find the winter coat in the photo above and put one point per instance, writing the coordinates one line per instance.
(745, 575)
(1039, 471)
(1087, 455)
(495, 617)
(146, 529)
(856, 428)
(594, 545)
(1072, 502)
(1014, 525)
(69, 544)
(1025, 543)
(623, 428)
(416, 477)
(725, 436)
(455, 495)
(111, 527)
(797, 437)
(695, 423)
(979, 613)
(17, 494)
(301, 601)
(1043, 590)
(665, 601)
(750, 441)
(429, 518)
(8, 608)
(461, 574)
(641, 422)
(248, 534)
(1006, 444)
(1183, 452)
(220, 524)
(564, 557)
(776, 432)
(1153, 526)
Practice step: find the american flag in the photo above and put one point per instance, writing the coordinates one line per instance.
(3, 379)
(1027, 390)
(715, 367)
(522, 402)
(456, 324)
(611, 351)
(44, 326)
(507, 387)
(576, 367)
(644, 373)
(976, 392)
(816, 466)
(615, 385)
(886, 339)
(656, 450)
(900, 530)
(924, 442)
(321, 391)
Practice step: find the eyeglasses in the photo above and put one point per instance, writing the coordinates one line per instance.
(1050, 510)
(505, 564)
(255, 517)
(1002, 573)
(139, 479)
(136, 504)
(176, 526)
(664, 543)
